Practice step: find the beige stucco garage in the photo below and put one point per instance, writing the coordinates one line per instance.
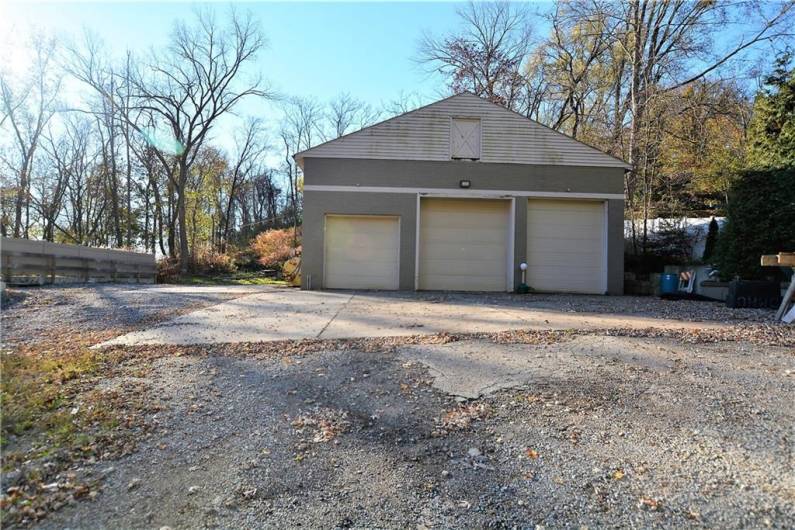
(456, 196)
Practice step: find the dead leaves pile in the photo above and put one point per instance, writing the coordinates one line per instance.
(460, 418)
(33, 500)
(757, 333)
(762, 334)
(323, 424)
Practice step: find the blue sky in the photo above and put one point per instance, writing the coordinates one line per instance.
(317, 49)
(314, 49)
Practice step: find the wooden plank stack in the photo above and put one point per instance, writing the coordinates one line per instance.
(783, 259)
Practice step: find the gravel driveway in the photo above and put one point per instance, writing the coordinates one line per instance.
(691, 436)
(30, 314)
(632, 428)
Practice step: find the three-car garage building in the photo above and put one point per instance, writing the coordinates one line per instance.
(455, 196)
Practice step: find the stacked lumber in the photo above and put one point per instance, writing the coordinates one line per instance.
(783, 259)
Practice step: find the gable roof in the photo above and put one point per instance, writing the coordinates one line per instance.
(424, 134)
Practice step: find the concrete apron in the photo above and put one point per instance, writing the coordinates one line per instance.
(278, 315)
(474, 368)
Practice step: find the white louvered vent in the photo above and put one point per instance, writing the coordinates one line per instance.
(465, 138)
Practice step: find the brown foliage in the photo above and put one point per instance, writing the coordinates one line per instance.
(209, 261)
(167, 270)
(276, 246)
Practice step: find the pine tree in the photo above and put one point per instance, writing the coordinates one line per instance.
(712, 240)
(772, 129)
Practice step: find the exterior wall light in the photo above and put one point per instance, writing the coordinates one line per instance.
(464, 183)
(523, 287)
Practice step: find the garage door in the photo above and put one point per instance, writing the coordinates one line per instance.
(565, 246)
(463, 244)
(362, 252)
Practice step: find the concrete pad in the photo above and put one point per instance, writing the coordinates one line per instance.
(380, 315)
(385, 316)
(472, 369)
(272, 316)
(203, 289)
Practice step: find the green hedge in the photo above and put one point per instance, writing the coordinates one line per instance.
(760, 219)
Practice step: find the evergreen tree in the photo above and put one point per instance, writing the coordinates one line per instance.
(760, 219)
(772, 129)
(712, 240)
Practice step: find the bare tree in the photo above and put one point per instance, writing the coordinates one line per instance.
(347, 114)
(405, 102)
(61, 156)
(575, 60)
(300, 130)
(486, 58)
(27, 109)
(669, 45)
(185, 91)
(246, 163)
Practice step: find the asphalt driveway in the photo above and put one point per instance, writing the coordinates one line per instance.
(275, 314)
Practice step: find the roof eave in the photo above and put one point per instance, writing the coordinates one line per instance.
(299, 159)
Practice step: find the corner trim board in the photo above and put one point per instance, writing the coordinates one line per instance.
(452, 192)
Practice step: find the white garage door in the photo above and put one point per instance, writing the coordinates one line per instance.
(463, 244)
(362, 252)
(566, 245)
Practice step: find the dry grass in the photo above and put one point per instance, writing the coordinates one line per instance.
(55, 416)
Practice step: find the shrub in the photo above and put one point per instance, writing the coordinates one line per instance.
(276, 246)
(760, 219)
(208, 261)
(167, 270)
(671, 242)
(247, 260)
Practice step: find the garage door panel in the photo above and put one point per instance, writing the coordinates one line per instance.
(362, 252)
(474, 250)
(450, 235)
(562, 260)
(340, 266)
(585, 249)
(565, 246)
(458, 267)
(463, 244)
(452, 282)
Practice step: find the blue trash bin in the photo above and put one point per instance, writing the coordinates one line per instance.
(669, 283)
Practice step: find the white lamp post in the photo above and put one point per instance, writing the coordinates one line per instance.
(523, 288)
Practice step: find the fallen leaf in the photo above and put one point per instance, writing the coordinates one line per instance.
(618, 474)
(531, 453)
(651, 504)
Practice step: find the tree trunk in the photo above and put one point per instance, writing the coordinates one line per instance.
(184, 255)
(21, 195)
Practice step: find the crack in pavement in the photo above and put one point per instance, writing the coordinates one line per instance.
(339, 310)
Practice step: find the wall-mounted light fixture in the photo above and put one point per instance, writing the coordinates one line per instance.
(464, 183)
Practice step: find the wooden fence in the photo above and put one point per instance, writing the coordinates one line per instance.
(28, 262)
